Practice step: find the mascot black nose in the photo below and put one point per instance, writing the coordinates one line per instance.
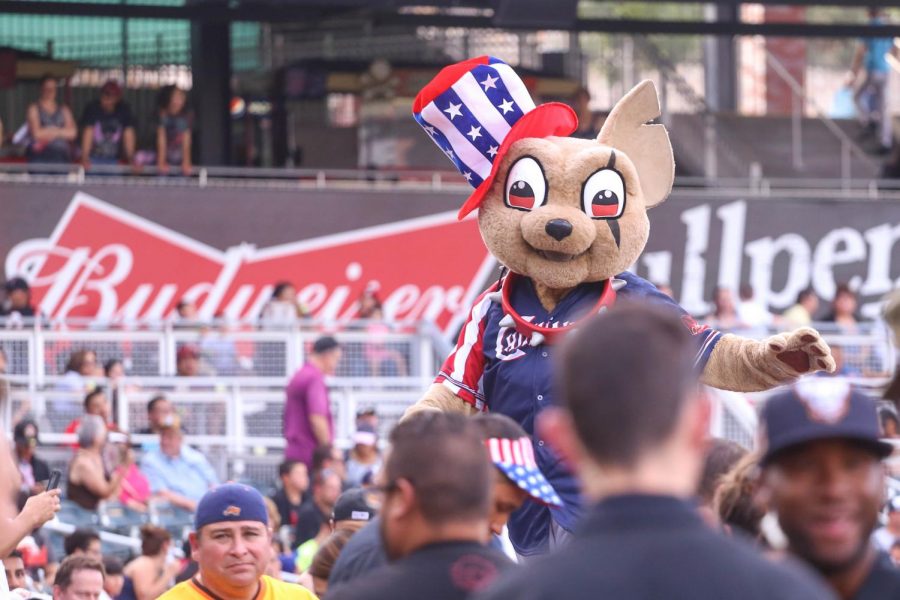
(558, 229)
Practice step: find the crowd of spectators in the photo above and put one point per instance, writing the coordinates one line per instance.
(105, 134)
(359, 523)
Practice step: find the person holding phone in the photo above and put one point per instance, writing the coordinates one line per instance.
(38, 510)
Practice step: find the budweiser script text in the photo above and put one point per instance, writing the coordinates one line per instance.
(105, 263)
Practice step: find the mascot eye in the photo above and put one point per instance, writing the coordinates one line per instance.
(526, 188)
(603, 195)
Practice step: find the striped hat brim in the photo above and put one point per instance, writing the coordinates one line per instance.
(550, 119)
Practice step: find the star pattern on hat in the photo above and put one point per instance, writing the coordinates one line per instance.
(474, 132)
(468, 176)
(431, 130)
(489, 82)
(515, 458)
(454, 110)
(492, 151)
(506, 106)
(449, 153)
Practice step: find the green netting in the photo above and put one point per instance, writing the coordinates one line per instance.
(97, 41)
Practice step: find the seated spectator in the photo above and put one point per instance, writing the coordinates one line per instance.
(434, 515)
(50, 126)
(188, 361)
(160, 414)
(802, 313)
(79, 578)
(177, 472)
(329, 458)
(88, 481)
(33, 471)
(114, 370)
(134, 492)
(895, 553)
(185, 316)
(18, 299)
(83, 541)
(367, 416)
(291, 494)
(218, 347)
(107, 129)
(152, 573)
(115, 582)
(353, 510)
(312, 520)
(890, 422)
(14, 566)
(95, 403)
(173, 131)
(81, 366)
(364, 457)
(282, 309)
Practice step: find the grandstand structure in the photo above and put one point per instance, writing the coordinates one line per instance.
(302, 137)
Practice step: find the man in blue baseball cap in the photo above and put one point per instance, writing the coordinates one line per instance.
(823, 477)
(232, 544)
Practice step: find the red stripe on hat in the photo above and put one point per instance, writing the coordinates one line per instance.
(528, 451)
(494, 447)
(443, 80)
(517, 453)
(505, 451)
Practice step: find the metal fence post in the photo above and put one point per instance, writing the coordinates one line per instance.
(796, 131)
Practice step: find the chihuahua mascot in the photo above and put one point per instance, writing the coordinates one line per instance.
(566, 217)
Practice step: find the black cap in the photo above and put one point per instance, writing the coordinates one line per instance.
(16, 283)
(324, 344)
(355, 505)
(819, 408)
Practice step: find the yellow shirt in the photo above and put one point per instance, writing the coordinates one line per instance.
(270, 589)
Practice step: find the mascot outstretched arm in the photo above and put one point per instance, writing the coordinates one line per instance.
(565, 217)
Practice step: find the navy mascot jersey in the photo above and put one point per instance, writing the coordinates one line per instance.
(495, 368)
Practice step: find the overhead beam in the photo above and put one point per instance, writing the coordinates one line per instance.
(285, 13)
(650, 26)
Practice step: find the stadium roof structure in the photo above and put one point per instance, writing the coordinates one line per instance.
(472, 14)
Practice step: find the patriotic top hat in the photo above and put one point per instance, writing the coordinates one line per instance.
(474, 111)
(515, 458)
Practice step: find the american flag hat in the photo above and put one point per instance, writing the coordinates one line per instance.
(515, 458)
(474, 110)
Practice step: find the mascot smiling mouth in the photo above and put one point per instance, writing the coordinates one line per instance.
(560, 257)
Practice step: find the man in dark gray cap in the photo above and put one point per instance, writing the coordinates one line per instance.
(823, 477)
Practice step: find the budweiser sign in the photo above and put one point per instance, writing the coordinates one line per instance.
(106, 263)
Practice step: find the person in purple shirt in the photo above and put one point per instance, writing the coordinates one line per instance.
(307, 414)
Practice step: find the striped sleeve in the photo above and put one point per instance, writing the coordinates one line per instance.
(461, 372)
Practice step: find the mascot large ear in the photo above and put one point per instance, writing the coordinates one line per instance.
(647, 146)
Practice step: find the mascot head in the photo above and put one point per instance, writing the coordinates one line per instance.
(559, 210)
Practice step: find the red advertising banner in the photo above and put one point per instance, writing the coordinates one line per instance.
(102, 261)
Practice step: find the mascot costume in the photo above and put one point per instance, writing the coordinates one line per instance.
(566, 218)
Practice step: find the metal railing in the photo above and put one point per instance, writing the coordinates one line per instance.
(37, 353)
(799, 100)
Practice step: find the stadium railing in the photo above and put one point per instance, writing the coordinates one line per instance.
(234, 409)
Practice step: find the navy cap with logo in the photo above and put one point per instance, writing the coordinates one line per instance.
(230, 502)
(819, 408)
